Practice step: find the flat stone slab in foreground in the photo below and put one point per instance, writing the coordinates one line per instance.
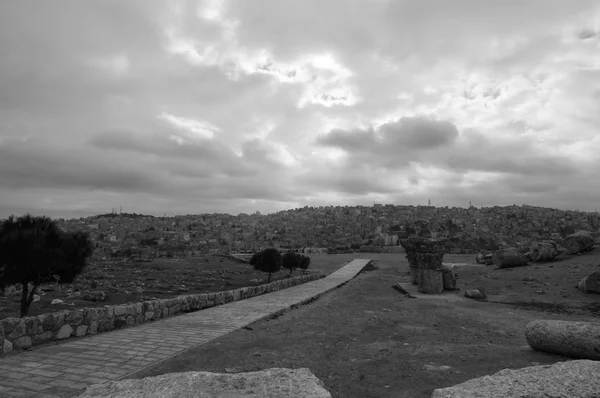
(564, 379)
(579, 340)
(275, 382)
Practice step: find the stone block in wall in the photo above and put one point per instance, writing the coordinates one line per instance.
(93, 327)
(22, 343)
(157, 313)
(43, 337)
(13, 327)
(148, 316)
(31, 325)
(75, 318)
(120, 310)
(165, 312)
(110, 311)
(120, 321)
(139, 319)
(1, 331)
(7, 347)
(202, 301)
(108, 324)
(90, 315)
(130, 320)
(81, 330)
(139, 308)
(130, 309)
(64, 332)
(59, 319)
(162, 304)
(194, 303)
(47, 322)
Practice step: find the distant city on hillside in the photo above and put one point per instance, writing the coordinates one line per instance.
(328, 229)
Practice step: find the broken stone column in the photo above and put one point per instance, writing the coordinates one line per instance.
(425, 259)
(567, 338)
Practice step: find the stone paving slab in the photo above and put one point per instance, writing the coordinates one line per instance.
(64, 369)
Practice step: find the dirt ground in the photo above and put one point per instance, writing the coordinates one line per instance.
(163, 278)
(365, 339)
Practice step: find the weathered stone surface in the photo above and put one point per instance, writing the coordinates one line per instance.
(431, 281)
(563, 379)
(7, 347)
(579, 242)
(120, 310)
(13, 327)
(474, 294)
(56, 302)
(43, 337)
(64, 332)
(543, 251)
(22, 343)
(591, 283)
(509, 257)
(81, 330)
(449, 277)
(571, 339)
(270, 383)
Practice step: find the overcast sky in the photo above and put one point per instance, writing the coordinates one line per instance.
(238, 106)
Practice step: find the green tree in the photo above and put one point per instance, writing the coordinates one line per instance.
(290, 260)
(34, 250)
(268, 260)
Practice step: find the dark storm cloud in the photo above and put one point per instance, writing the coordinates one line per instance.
(40, 164)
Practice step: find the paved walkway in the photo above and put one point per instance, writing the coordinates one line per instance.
(63, 370)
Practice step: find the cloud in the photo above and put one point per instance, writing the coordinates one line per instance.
(192, 106)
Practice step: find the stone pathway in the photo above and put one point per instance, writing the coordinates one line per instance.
(62, 370)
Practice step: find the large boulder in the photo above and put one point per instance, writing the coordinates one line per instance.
(509, 257)
(563, 379)
(578, 242)
(591, 283)
(543, 251)
(275, 382)
(579, 340)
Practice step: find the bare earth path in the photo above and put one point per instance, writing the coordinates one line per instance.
(62, 370)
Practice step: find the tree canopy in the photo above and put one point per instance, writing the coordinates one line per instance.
(291, 260)
(34, 250)
(268, 260)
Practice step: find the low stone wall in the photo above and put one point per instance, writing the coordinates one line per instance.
(23, 333)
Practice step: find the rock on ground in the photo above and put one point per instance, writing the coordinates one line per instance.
(566, 338)
(510, 257)
(591, 283)
(578, 242)
(543, 251)
(269, 383)
(563, 379)
(474, 294)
